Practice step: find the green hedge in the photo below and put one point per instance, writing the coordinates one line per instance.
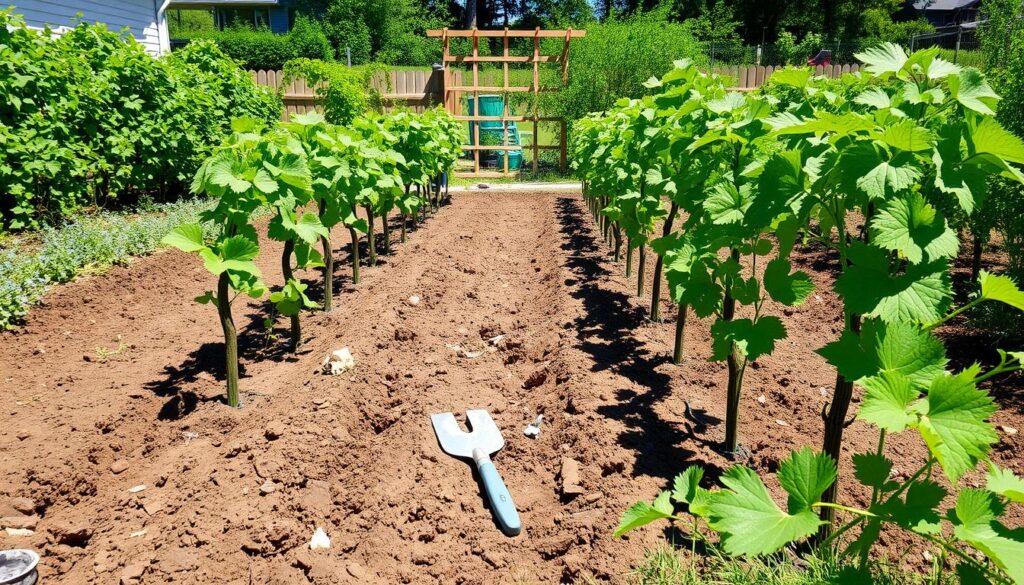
(89, 119)
(262, 49)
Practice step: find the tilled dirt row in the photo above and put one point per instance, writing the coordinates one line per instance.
(112, 386)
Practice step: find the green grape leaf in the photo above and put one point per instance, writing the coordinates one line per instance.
(221, 172)
(896, 347)
(887, 399)
(187, 238)
(912, 227)
(889, 176)
(751, 339)
(917, 512)
(1005, 483)
(874, 97)
(908, 136)
(883, 58)
(264, 182)
(687, 484)
(872, 470)
(643, 513)
(208, 298)
(991, 138)
(805, 475)
(922, 293)
(954, 423)
(750, 522)
(974, 520)
(973, 92)
(783, 287)
(996, 287)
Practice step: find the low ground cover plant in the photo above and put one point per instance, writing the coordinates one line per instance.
(89, 243)
(912, 139)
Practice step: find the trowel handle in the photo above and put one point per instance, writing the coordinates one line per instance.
(501, 500)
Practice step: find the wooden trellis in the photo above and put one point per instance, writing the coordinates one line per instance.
(453, 88)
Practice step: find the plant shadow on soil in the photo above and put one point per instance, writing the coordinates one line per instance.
(254, 339)
(605, 332)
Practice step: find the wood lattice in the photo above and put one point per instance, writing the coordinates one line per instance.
(453, 88)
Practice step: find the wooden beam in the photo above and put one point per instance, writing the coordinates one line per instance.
(438, 33)
(500, 59)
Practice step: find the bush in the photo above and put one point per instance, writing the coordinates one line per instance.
(262, 49)
(614, 60)
(89, 119)
(343, 92)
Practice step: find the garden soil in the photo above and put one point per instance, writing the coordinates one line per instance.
(117, 452)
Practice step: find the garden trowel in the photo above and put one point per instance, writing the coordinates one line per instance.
(483, 439)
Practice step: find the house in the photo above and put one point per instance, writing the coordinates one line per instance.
(146, 20)
(942, 13)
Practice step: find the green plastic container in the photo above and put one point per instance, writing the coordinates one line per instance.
(515, 160)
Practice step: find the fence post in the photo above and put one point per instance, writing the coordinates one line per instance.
(956, 51)
(348, 55)
(758, 54)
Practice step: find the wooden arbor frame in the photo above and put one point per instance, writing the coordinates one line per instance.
(451, 91)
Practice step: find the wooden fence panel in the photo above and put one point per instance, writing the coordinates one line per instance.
(417, 90)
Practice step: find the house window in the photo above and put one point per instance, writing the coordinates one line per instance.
(251, 17)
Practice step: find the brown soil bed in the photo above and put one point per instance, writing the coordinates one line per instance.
(120, 372)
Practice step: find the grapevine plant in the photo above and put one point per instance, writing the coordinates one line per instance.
(871, 166)
(236, 177)
(313, 175)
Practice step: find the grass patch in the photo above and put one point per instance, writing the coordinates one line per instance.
(666, 565)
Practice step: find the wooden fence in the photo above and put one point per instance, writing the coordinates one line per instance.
(752, 77)
(417, 90)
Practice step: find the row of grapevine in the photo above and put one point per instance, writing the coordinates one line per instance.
(312, 176)
(870, 166)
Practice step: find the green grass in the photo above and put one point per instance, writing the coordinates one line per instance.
(526, 176)
(666, 565)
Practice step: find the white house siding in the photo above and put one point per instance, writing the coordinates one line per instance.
(140, 16)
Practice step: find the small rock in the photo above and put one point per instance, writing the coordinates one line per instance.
(275, 429)
(152, 506)
(119, 466)
(356, 570)
(414, 300)
(22, 522)
(339, 362)
(404, 334)
(762, 399)
(132, 573)
(137, 488)
(77, 534)
(22, 435)
(320, 540)
(781, 422)
(268, 487)
(1008, 430)
(570, 475)
(927, 556)
(23, 505)
(18, 532)
(593, 497)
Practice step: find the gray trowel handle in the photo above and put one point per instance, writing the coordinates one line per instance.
(498, 495)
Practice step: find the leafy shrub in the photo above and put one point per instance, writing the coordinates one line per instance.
(614, 60)
(89, 119)
(344, 92)
(90, 242)
(262, 49)
(797, 53)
